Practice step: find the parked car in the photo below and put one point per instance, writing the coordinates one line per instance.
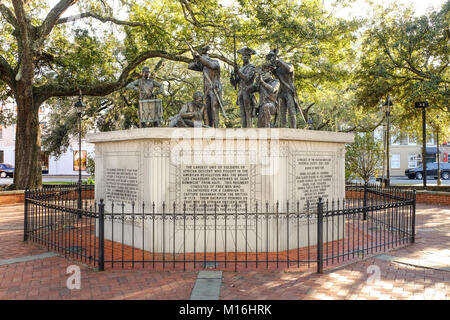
(417, 173)
(6, 170)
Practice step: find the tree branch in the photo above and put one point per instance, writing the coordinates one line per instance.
(190, 14)
(8, 15)
(52, 17)
(366, 129)
(21, 17)
(100, 18)
(6, 72)
(47, 91)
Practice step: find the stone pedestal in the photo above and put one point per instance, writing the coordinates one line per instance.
(178, 171)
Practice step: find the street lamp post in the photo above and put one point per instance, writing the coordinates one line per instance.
(387, 106)
(79, 107)
(423, 105)
(437, 152)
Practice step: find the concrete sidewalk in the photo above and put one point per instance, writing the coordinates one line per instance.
(417, 271)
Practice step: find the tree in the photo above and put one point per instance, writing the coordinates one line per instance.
(363, 157)
(38, 62)
(48, 57)
(406, 57)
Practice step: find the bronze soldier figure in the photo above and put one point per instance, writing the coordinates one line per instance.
(191, 113)
(287, 97)
(245, 77)
(150, 108)
(211, 84)
(268, 96)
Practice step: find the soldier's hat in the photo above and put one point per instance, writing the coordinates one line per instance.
(246, 51)
(273, 52)
(204, 50)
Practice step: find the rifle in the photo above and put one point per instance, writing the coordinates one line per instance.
(194, 55)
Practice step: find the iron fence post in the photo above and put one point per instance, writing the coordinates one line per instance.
(79, 201)
(320, 236)
(101, 236)
(365, 202)
(25, 216)
(413, 222)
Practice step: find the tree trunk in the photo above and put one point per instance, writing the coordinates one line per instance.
(28, 170)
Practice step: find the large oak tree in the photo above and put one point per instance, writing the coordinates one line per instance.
(47, 54)
(32, 50)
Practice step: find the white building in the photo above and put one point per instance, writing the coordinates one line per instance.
(406, 149)
(66, 164)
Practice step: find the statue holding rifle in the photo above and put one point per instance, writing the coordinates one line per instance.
(211, 84)
(287, 97)
(244, 77)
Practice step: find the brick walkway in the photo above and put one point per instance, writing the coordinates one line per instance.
(418, 271)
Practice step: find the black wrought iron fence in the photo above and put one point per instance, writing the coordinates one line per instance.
(235, 236)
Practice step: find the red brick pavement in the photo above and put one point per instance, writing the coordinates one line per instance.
(46, 278)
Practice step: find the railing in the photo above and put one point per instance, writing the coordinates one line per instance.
(229, 236)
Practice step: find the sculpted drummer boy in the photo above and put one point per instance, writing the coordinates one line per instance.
(150, 108)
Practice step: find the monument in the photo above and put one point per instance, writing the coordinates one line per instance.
(187, 170)
(219, 168)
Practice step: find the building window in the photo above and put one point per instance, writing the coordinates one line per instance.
(2, 156)
(412, 160)
(395, 161)
(430, 140)
(76, 160)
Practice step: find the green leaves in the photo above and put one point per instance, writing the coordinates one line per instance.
(406, 57)
(363, 158)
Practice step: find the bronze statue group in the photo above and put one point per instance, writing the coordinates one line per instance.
(274, 81)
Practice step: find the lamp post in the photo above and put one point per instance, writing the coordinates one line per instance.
(423, 105)
(387, 106)
(79, 107)
(438, 153)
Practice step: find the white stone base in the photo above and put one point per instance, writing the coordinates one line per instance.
(233, 166)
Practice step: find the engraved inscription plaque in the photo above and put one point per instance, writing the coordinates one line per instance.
(121, 181)
(313, 177)
(121, 185)
(215, 184)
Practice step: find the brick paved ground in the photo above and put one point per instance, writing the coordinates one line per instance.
(413, 273)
